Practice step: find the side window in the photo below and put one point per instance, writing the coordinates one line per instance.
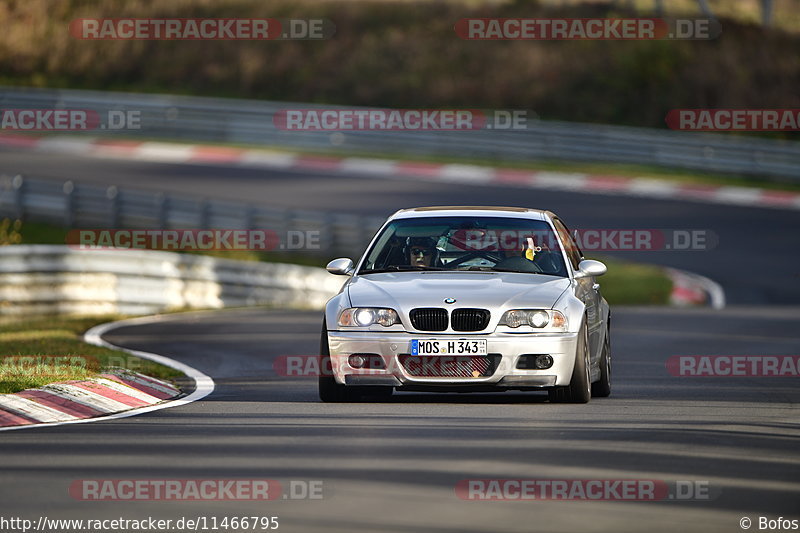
(573, 252)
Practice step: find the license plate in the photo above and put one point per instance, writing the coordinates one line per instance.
(448, 347)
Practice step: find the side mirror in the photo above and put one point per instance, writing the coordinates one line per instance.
(341, 267)
(590, 268)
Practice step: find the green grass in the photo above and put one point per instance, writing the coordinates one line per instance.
(634, 283)
(295, 258)
(35, 233)
(61, 336)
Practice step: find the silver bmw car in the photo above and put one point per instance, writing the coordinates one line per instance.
(468, 299)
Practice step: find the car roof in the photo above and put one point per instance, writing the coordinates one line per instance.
(472, 211)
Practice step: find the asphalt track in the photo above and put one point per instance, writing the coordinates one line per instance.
(394, 466)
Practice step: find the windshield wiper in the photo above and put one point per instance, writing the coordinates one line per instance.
(399, 268)
(495, 269)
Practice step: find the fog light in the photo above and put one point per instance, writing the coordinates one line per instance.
(543, 361)
(356, 361)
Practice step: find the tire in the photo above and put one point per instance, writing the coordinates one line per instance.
(602, 388)
(329, 390)
(332, 392)
(579, 389)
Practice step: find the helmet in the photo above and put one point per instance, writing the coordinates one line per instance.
(421, 242)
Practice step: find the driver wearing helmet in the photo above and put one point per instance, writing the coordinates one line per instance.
(421, 251)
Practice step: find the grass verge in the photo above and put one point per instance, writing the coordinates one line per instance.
(634, 283)
(45, 350)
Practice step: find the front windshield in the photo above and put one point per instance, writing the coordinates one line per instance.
(500, 244)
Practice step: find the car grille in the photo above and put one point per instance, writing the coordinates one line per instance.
(435, 319)
(456, 366)
(469, 319)
(429, 319)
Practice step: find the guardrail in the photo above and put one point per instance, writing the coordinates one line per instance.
(49, 279)
(92, 206)
(251, 122)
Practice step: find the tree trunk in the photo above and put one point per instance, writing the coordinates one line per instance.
(766, 12)
(704, 7)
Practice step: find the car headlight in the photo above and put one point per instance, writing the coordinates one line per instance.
(367, 316)
(535, 318)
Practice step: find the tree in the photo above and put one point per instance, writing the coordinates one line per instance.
(766, 12)
(704, 7)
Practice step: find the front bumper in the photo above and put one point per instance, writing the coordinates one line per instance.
(560, 346)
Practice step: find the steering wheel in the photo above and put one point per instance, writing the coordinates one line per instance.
(493, 257)
(520, 264)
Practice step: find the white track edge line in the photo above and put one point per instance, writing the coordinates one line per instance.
(204, 385)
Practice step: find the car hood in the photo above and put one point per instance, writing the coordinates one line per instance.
(404, 291)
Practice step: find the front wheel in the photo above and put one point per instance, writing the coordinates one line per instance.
(602, 388)
(332, 392)
(579, 389)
